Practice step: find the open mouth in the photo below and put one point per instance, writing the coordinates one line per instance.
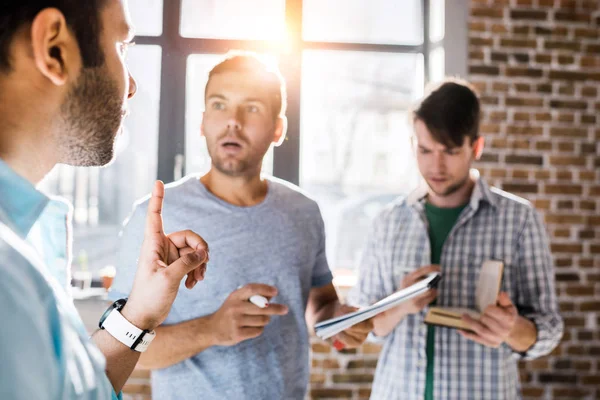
(232, 145)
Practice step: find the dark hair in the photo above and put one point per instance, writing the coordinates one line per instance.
(451, 112)
(82, 17)
(251, 63)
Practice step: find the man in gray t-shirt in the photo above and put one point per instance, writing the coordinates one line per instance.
(265, 237)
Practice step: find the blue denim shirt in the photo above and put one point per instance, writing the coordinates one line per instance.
(45, 351)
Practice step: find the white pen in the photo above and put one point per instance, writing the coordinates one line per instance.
(259, 301)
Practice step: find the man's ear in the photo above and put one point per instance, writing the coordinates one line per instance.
(55, 48)
(280, 130)
(478, 147)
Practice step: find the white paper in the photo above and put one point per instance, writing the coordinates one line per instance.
(331, 327)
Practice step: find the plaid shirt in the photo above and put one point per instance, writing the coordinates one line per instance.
(495, 225)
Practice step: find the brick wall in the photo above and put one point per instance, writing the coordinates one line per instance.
(537, 65)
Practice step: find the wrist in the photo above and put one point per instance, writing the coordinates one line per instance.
(138, 319)
(206, 328)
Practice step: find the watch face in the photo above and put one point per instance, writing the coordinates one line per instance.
(117, 305)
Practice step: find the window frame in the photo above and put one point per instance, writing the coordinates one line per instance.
(176, 49)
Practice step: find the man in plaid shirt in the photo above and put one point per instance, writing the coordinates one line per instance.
(452, 225)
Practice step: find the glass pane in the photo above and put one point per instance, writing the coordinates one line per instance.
(197, 160)
(355, 150)
(437, 64)
(103, 197)
(436, 20)
(147, 16)
(231, 19)
(363, 21)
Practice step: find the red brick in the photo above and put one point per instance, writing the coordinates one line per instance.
(524, 130)
(568, 16)
(566, 117)
(586, 33)
(321, 347)
(521, 116)
(568, 75)
(564, 60)
(488, 12)
(520, 187)
(542, 175)
(484, 70)
(589, 91)
(563, 189)
(581, 291)
(500, 87)
(543, 58)
(587, 205)
(523, 159)
(566, 146)
(481, 41)
(533, 102)
(589, 61)
(523, 72)
(529, 14)
(477, 26)
(568, 104)
(518, 43)
(543, 116)
(570, 393)
(371, 348)
(499, 28)
(330, 393)
(566, 248)
(567, 161)
(352, 378)
(566, 45)
(566, 90)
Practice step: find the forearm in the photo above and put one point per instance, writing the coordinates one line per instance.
(120, 359)
(322, 313)
(385, 322)
(176, 343)
(523, 335)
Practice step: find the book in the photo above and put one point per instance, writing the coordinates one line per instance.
(333, 326)
(488, 287)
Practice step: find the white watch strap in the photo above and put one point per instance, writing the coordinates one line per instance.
(127, 333)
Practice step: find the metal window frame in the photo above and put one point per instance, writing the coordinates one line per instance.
(176, 49)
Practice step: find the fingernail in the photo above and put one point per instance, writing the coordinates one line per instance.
(201, 254)
(338, 345)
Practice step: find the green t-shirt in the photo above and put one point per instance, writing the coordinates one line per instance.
(441, 221)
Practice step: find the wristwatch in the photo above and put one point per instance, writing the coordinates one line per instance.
(124, 331)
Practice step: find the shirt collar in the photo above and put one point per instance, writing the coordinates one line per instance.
(481, 193)
(20, 203)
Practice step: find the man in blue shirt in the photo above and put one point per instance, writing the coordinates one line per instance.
(63, 93)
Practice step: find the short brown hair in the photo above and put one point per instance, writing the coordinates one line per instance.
(251, 63)
(451, 112)
(82, 17)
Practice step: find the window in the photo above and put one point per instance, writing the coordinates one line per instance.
(363, 21)
(350, 84)
(233, 19)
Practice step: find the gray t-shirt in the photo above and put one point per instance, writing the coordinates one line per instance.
(279, 242)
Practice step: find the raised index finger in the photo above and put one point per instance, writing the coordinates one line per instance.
(154, 222)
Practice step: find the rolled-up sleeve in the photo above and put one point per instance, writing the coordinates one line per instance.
(536, 299)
